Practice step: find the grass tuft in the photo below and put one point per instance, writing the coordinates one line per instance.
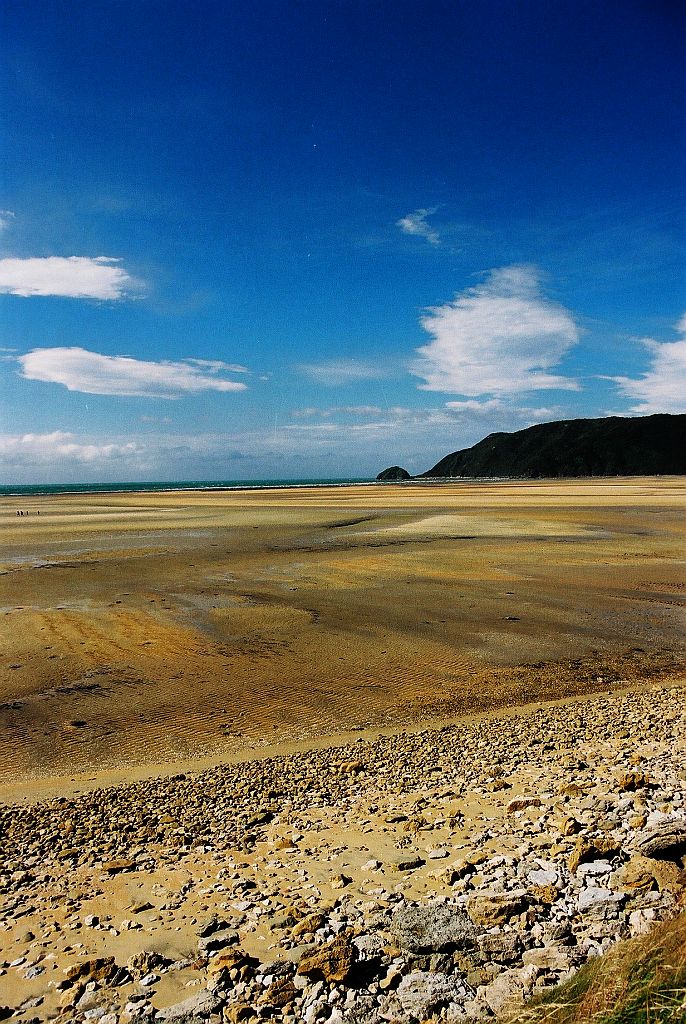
(640, 981)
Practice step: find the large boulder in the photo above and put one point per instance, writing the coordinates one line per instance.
(665, 841)
(421, 993)
(432, 928)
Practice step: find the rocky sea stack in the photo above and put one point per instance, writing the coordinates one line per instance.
(394, 473)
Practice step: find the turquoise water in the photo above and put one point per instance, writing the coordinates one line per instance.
(20, 490)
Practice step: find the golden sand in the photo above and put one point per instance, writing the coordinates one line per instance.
(138, 628)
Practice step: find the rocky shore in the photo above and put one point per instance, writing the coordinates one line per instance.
(442, 874)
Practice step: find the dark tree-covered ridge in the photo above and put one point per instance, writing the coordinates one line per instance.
(611, 446)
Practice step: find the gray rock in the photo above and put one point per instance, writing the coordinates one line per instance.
(203, 1004)
(432, 927)
(423, 992)
(550, 958)
(217, 940)
(505, 993)
(503, 947)
(664, 841)
(594, 898)
(543, 877)
(595, 867)
(210, 925)
(406, 862)
(365, 1011)
(369, 944)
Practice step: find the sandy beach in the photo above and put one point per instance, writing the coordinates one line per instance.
(143, 629)
(358, 754)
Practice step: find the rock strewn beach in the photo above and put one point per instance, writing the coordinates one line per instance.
(441, 874)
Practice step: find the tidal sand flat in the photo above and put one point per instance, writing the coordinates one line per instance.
(143, 630)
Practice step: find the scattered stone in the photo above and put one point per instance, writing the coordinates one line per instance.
(113, 867)
(489, 909)
(586, 850)
(204, 1004)
(506, 993)
(635, 876)
(332, 962)
(522, 803)
(595, 898)
(629, 782)
(503, 947)
(227, 960)
(406, 862)
(544, 893)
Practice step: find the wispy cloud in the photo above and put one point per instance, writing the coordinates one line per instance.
(662, 388)
(416, 224)
(500, 337)
(494, 409)
(473, 405)
(59, 447)
(6, 218)
(499, 414)
(74, 277)
(95, 374)
(335, 372)
(217, 365)
(345, 410)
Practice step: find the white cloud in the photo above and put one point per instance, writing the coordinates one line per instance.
(95, 374)
(342, 371)
(415, 224)
(75, 277)
(497, 338)
(662, 388)
(6, 218)
(58, 447)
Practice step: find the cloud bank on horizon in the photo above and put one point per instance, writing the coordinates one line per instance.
(60, 446)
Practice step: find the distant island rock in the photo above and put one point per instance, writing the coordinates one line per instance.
(394, 473)
(611, 446)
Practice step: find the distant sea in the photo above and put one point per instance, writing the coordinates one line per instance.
(31, 490)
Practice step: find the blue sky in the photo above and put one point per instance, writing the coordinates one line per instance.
(312, 239)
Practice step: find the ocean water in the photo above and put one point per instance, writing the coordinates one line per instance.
(30, 490)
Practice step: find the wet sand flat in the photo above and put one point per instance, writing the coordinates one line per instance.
(147, 628)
